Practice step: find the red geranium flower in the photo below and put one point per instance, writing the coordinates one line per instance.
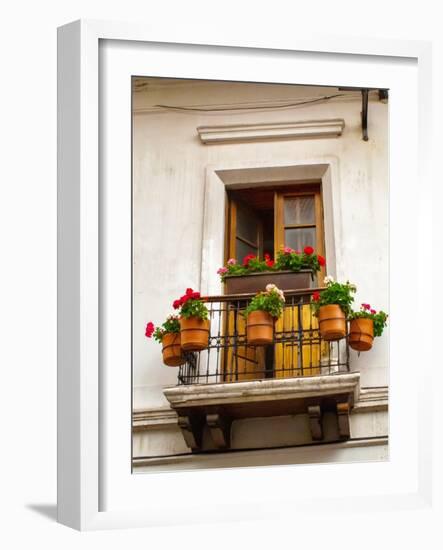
(176, 304)
(270, 263)
(195, 295)
(247, 259)
(189, 292)
(316, 296)
(308, 250)
(321, 260)
(149, 329)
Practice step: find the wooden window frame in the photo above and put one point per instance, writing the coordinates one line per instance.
(231, 232)
(280, 227)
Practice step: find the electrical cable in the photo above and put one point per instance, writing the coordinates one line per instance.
(283, 106)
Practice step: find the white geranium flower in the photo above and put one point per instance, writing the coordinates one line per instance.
(273, 288)
(328, 279)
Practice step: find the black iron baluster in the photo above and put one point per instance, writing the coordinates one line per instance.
(236, 341)
(311, 366)
(300, 338)
(293, 336)
(218, 345)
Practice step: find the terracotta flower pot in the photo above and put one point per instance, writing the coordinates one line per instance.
(332, 322)
(361, 334)
(259, 328)
(171, 349)
(194, 333)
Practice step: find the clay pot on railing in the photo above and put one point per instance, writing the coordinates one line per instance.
(194, 333)
(259, 328)
(361, 334)
(332, 322)
(171, 349)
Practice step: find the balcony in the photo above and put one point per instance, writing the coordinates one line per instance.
(299, 373)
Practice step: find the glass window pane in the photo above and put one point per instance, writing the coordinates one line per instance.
(299, 238)
(299, 210)
(247, 225)
(242, 249)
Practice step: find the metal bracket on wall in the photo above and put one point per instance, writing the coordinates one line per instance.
(364, 113)
(383, 95)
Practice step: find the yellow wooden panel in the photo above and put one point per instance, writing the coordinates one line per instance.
(301, 355)
(241, 362)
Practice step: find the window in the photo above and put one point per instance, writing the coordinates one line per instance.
(262, 220)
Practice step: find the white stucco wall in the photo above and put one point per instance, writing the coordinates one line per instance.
(170, 165)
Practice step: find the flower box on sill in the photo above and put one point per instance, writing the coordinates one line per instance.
(255, 282)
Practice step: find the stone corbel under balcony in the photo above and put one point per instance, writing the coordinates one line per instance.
(217, 405)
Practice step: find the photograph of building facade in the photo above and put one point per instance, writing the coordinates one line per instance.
(228, 176)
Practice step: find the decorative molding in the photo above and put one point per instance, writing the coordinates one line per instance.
(239, 133)
(300, 454)
(371, 400)
(148, 419)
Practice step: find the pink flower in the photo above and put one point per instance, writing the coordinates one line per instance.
(373, 311)
(222, 270)
(149, 329)
(366, 306)
(232, 261)
(288, 250)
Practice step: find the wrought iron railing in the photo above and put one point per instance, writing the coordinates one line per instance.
(297, 348)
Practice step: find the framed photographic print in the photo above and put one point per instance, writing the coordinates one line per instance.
(234, 342)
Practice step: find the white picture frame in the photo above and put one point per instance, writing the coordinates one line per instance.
(82, 390)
